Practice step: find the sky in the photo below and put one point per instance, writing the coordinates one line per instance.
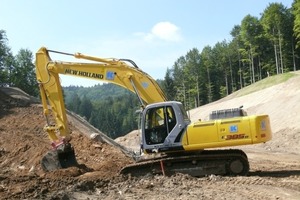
(152, 33)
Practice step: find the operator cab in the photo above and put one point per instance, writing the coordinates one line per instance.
(163, 125)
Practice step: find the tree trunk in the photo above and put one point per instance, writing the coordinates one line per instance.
(275, 51)
(231, 76)
(293, 52)
(250, 69)
(241, 80)
(280, 51)
(276, 59)
(259, 67)
(198, 93)
(226, 82)
(209, 95)
(252, 65)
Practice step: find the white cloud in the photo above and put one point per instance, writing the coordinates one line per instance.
(153, 56)
(163, 31)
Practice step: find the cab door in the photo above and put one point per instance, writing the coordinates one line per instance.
(159, 122)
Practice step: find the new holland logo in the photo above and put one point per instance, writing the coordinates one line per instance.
(85, 74)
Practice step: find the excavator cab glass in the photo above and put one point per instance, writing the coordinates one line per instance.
(159, 122)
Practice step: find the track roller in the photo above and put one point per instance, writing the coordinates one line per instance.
(237, 167)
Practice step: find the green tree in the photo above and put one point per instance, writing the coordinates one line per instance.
(206, 66)
(24, 72)
(277, 24)
(179, 83)
(85, 108)
(296, 14)
(236, 44)
(192, 77)
(6, 60)
(168, 85)
(251, 32)
(75, 103)
(221, 68)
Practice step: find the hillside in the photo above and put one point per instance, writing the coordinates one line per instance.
(95, 93)
(274, 166)
(279, 101)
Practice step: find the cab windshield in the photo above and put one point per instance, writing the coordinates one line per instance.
(159, 122)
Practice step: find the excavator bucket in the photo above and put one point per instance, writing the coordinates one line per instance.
(62, 157)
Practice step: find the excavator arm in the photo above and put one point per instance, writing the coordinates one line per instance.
(115, 71)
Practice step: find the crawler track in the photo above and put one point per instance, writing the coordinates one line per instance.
(219, 162)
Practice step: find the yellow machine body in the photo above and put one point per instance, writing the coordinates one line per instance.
(227, 132)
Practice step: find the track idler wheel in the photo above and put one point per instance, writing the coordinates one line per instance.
(61, 157)
(238, 167)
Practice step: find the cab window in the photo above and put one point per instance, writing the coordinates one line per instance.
(159, 122)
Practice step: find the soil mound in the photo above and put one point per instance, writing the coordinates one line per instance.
(23, 143)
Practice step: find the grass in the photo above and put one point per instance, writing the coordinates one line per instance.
(265, 83)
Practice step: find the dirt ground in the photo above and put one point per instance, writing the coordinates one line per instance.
(274, 166)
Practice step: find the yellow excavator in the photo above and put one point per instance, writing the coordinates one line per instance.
(184, 147)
